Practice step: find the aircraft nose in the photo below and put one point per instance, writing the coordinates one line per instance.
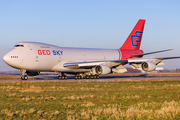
(7, 58)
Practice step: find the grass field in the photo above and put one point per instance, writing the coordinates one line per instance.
(90, 100)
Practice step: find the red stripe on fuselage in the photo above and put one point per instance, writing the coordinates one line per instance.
(119, 51)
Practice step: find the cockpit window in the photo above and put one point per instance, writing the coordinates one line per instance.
(19, 46)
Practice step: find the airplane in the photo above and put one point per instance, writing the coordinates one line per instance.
(31, 58)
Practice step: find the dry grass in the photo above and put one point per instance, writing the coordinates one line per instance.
(73, 97)
(168, 110)
(32, 89)
(88, 104)
(131, 100)
(32, 111)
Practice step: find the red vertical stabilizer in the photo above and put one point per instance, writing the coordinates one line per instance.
(133, 42)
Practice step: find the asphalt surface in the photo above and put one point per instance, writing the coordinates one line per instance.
(53, 78)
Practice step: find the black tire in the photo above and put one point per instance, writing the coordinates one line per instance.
(24, 77)
(59, 77)
(87, 77)
(79, 77)
(91, 76)
(94, 77)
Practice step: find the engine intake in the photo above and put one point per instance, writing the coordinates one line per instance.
(102, 69)
(148, 66)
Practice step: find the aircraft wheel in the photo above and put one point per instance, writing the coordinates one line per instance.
(59, 77)
(24, 77)
(94, 77)
(91, 76)
(75, 77)
(62, 77)
(87, 77)
(97, 76)
(79, 77)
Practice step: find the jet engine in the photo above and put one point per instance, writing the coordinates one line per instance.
(148, 66)
(102, 69)
(32, 73)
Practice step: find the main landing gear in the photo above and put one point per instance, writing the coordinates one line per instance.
(92, 77)
(62, 77)
(76, 77)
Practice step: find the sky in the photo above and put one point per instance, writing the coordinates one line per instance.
(90, 24)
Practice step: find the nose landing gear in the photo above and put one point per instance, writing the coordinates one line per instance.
(24, 75)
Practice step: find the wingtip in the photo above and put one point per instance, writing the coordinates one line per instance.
(169, 49)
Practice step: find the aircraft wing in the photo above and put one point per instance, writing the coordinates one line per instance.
(117, 65)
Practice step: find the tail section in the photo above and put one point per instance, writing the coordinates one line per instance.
(133, 41)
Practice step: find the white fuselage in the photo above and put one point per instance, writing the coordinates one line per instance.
(44, 57)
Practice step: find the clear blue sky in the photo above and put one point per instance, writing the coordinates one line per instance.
(90, 23)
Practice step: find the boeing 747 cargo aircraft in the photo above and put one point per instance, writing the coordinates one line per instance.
(31, 58)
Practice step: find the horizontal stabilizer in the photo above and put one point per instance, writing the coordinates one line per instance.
(140, 55)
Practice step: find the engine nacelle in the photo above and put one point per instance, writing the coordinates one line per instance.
(148, 66)
(32, 73)
(102, 69)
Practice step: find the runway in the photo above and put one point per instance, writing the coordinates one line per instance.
(53, 78)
